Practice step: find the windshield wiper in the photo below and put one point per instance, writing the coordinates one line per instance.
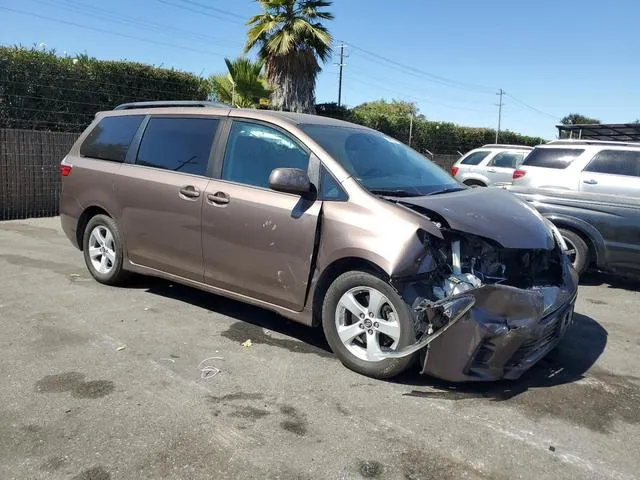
(446, 190)
(389, 192)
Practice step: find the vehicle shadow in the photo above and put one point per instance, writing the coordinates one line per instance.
(597, 279)
(578, 351)
(255, 319)
(584, 342)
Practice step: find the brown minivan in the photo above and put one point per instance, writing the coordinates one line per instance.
(327, 223)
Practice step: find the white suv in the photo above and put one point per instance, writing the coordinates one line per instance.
(489, 165)
(611, 168)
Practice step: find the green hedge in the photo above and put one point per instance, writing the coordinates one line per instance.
(43, 91)
(393, 118)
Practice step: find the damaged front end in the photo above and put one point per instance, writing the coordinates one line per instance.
(494, 311)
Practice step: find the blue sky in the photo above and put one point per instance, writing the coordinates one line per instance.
(551, 58)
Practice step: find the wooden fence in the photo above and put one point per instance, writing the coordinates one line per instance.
(29, 171)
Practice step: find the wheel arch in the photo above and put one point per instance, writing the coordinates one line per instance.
(87, 214)
(587, 232)
(333, 271)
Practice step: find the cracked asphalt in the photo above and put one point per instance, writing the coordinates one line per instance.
(101, 383)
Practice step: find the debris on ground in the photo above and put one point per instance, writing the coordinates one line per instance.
(247, 343)
(121, 347)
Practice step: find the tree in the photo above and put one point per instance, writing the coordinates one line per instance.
(577, 119)
(243, 85)
(291, 40)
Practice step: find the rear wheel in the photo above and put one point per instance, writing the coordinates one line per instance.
(102, 248)
(577, 250)
(363, 317)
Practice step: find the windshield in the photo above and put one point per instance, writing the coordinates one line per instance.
(381, 164)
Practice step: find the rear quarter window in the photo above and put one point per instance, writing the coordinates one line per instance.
(558, 158)
(111, 137)
(475, 158)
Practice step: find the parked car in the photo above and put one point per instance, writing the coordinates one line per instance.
(583, 165)
(327, 223)
(601, 231)
(491, 165)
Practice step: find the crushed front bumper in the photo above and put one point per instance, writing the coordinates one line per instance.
(504, 333)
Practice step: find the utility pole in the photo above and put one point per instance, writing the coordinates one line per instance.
(410, 127)
(500, 93)
(341, 64)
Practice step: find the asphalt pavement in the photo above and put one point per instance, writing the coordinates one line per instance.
(152, 381)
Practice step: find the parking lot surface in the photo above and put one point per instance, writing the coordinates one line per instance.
(120, 383)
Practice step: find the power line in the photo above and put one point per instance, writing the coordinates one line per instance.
(110, 32)
(92, 11)
(207, 14)
(432, 77)
(396, 83)
(555, 117)
(214, 9)
(412, 97)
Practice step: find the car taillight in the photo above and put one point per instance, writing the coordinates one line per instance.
(65, 170)
(454, 171)
(519, 173)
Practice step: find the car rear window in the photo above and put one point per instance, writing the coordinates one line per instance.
(475, 158)
(178, 144)
(616, 162)
(552, 157)
(111, 137)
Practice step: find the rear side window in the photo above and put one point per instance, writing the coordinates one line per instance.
(111, 138)
(475, 158)
(178, 144)
(507, 159)
(616, 162)
(558, 158)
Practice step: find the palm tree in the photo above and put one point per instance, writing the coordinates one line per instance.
(291, 40)
(243, 85)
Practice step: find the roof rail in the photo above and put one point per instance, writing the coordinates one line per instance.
(169, 103)
(593, 142)
(504, 145)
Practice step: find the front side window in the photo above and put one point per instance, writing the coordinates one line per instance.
(255, 150)
(507, 159)
(380, 163)
(111, 138)
(178, 144)
(616, 162)
(559, 158)
(475, 158)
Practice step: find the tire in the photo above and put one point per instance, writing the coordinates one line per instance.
(393, 312)
(108, 271)
(474, 183)
(578, 250)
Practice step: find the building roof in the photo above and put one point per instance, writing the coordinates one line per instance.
(618, 132)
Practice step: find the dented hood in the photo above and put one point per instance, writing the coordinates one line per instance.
(492, 213)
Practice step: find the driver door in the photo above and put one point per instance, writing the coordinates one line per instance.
(256, 241)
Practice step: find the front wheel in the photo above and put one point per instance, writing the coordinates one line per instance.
(577, 250)
(363, 317)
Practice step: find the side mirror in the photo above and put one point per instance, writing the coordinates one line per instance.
(290, 180)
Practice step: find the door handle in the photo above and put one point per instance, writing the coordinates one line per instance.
(590, 182)
(190, 191)
(492, 170)
(219, 198)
